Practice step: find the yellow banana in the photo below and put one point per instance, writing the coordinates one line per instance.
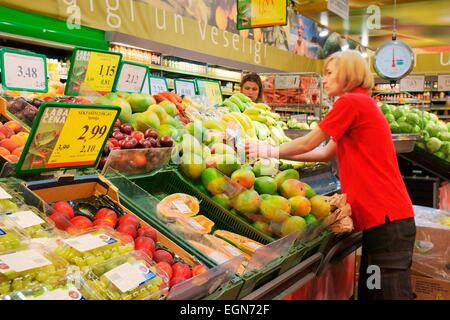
(214, 125)
(253, 111)
(262, 106)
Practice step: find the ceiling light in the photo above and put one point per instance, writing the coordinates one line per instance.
(323, 33)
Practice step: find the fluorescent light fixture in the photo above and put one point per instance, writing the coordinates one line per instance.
(323, 33)
(324, 18)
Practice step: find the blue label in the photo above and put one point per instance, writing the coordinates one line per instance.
(111, 240)
(2, 233)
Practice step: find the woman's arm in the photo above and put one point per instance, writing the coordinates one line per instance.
(318, 155)
(286, 151)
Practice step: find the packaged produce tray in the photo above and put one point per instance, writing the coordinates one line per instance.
(168, 181)
(96, 187)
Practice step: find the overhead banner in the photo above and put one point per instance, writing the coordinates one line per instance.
(339, 7)
(205, 33)
(261, 13)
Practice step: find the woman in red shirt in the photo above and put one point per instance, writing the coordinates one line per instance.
(369, 173)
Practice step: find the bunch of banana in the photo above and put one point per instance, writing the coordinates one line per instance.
(242, 120)
(262, 106)
(277, 134)
(214, 124)
(238, 102)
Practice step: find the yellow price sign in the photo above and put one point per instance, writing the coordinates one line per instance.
(268, 13)
(213, 92)
(101, 71)
(82, 137)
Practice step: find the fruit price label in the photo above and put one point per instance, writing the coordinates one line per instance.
(67, 136)
(210, 90)
(185, 87)
(131, 77)
(22, 261)
(129, 276)
(26, 219)
(23, 71)
(146, 86)
(287, 82)
(157, 85)
(4, 194)
(92, 71)
(412, 83)
(90, 241)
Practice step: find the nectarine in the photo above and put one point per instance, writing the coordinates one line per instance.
(9, 144)
(4, 151)
(16, 126)
(12, 158)
(7, 131)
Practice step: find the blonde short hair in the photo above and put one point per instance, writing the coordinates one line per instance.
(352, 70)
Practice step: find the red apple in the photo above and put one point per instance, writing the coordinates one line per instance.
(128, 229)
(81, 222)
(165, 267)
(103, 223)
(64, 207)
(181, 269)
(145, 244)
(163, 255)
(147, 231)
(108, 215)
(129, 219)
(61, 220)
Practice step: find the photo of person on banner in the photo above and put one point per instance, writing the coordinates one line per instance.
(302, 36)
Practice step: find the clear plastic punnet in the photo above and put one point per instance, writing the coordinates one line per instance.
(94, 246)
(29, 267)
(131, 276)
(33, 222)
(177, 205)
(9, 199)
(11, 237)
(62, 291)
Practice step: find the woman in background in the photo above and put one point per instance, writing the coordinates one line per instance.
(251, 86)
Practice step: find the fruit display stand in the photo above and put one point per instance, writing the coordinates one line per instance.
(7, 162)
(169, 181)
(429, 162)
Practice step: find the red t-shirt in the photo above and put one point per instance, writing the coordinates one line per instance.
(368, 167)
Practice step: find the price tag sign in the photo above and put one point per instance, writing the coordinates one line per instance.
(92, 71)
(146, 86)
(287, 82)
(412, 83)
(157, 85)
(185, 87)
(131, 77)
(23, 71)
(211, 90)
(444, 82)
(67, 136)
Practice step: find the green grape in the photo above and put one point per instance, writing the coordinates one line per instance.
(2, 247)
(51, 268)
(91, 261)
(98, 270)
(114, 295)
(104, 280)
(4, 288)
(42, 276)
(122, 250)
(59, 250)
(100, 259)
(17, 284)
(107, 254)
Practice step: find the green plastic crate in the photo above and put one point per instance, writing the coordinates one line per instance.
(166, 182)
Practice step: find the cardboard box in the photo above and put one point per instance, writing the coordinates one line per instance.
(430, 289)
(432, 253)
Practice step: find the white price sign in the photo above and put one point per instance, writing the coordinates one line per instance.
(412, 83)
(185, 88)
(24, 71)
(132, 77)
(339, 7)
(444, 82)
(146, 86)
(287, 82)
(157, 85)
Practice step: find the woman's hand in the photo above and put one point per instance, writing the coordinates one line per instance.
(257, 149)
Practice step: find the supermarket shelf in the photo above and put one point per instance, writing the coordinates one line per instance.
(444, 117)
(428, 162)
(228, 93)
(406, 101)
(442, 108)
(440, 100)
(194, 74)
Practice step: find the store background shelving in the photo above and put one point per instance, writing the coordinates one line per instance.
(432, 99)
